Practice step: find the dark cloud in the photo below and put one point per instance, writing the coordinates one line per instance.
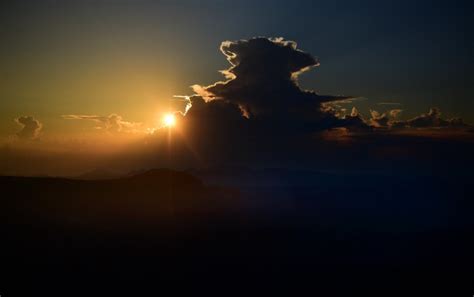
(259, 110)
(31, 127)
(261, 114)
(389, 120)
(395, 112)
(262, 81)
(432, 119)
(112, 123)
(262, 85)
(353, 122)
(378, 120)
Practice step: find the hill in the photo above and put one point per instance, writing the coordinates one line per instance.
(281, 231)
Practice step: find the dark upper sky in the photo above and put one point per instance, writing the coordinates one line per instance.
(130, 57)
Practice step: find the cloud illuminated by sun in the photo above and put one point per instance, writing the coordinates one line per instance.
(169, 120)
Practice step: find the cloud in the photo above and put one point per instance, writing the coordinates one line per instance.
(31, 127)
(432, 119)
(262, 96)
(112, 123)
(394, 113)
(263, 80)
(259, 109)
(389, 120)
(378, 120)
(260, 112)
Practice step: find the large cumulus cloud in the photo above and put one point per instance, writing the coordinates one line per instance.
(262, 82)
(260, 113)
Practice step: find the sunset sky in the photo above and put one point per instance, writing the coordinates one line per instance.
(322, 147)
(88, 77)
(130, 57)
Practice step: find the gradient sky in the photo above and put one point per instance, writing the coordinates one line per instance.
(131, 57)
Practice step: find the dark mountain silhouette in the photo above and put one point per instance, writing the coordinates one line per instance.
(277, 229)
(98, 173)
(156, 195)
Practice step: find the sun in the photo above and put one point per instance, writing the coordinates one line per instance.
(169, 120)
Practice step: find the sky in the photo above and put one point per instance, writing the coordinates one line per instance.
(112, 62)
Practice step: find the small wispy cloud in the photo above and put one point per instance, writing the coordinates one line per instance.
(30, 127)
(112, 123)
(395, 112)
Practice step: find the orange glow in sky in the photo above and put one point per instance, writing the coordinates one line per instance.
(169, 120)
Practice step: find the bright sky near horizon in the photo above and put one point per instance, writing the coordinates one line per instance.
(130, 57)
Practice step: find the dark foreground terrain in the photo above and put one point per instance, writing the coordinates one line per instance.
(295, 233)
